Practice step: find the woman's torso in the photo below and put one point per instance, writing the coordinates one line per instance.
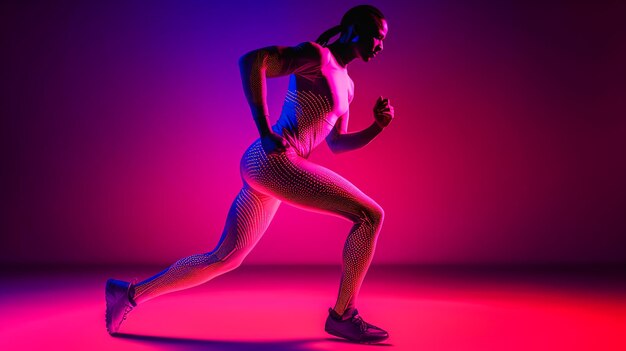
(314, 101)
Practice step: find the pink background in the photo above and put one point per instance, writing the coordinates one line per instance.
(123, 126)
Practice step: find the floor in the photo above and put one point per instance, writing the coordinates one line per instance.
(283, 308)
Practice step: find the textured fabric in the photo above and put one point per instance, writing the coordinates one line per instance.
(319, 92)
(291, 178)
(317, 95)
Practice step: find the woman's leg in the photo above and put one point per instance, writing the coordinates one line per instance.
(248, 218)
(307, 185)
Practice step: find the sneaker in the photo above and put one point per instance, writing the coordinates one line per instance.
(352, 327)
(119, 301)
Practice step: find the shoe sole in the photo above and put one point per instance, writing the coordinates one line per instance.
(332, 332)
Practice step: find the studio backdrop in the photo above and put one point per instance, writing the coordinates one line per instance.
(123, 124)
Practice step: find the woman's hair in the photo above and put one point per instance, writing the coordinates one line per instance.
(363, 17)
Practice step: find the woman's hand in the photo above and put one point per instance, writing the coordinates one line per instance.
(383, 112)
(274, 143)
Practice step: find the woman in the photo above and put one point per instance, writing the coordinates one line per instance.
(275, 169)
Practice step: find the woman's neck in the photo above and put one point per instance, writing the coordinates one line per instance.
(342, 53)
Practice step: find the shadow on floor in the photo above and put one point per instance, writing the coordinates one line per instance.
(175, 343)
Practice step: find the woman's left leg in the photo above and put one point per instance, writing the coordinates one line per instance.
(248, 218)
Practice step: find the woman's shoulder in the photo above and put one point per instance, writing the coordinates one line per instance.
(314, 51)
(311, 57)
(311, 45)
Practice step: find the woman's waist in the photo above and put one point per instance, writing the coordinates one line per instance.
(256, 151)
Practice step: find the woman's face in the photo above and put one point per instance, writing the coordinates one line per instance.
(370, 43)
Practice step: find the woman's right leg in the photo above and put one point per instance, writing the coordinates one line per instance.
(302, 183)
(310, 186)
(248, 218)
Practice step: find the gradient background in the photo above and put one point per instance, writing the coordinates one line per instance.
(123, 123)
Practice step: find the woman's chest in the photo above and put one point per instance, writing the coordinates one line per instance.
(333, 85)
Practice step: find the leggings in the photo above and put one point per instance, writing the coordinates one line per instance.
(267, 181)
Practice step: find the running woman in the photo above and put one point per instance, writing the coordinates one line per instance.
(275, 168)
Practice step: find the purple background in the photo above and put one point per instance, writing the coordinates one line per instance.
(123, 124)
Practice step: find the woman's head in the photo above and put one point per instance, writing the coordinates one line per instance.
(363, 27)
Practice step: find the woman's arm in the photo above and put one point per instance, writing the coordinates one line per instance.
(339, 140)
(272, 61)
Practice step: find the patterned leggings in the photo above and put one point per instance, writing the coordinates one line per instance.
(268, 180)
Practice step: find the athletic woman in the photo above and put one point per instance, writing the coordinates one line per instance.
(275, 168)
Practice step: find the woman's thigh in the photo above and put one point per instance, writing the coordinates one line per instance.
(305, 184)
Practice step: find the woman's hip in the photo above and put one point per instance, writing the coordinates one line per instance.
(257, 167)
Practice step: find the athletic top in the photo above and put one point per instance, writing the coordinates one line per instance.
(318, 93)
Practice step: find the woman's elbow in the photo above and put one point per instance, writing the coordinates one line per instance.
(250, 58)
(336, 149)
(244, 60)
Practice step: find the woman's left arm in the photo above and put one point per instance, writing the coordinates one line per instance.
(339, 140)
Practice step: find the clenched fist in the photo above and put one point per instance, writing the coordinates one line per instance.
(383, 112)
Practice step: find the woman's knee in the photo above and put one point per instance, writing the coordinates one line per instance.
(378, 214)
(231, 261)
(373, 214)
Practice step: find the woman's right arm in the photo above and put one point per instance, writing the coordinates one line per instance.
(272, 61)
